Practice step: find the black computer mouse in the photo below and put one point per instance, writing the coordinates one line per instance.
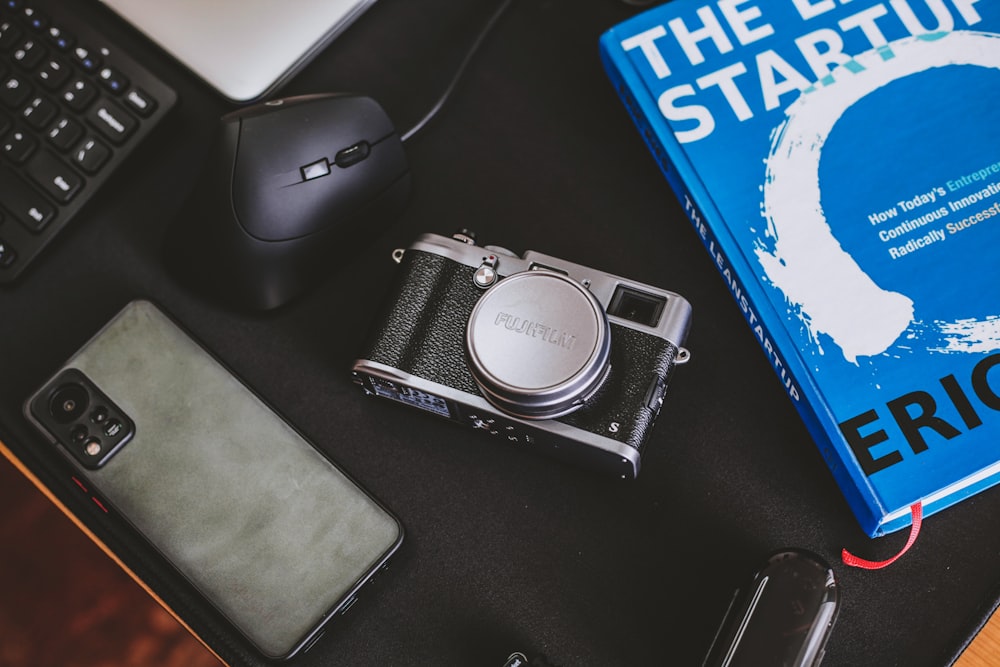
(291, 186)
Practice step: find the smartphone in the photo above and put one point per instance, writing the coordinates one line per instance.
(269, 531)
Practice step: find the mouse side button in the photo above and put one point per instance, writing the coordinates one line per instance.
(317, 169)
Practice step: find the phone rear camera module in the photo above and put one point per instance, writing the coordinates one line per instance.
(636, 306)
(68, 402)
(82, 419)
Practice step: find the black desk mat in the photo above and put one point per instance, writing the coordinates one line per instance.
(505, 550)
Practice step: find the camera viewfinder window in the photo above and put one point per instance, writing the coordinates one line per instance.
(635, 306)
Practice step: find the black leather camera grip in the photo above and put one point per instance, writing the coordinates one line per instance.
(421, 330)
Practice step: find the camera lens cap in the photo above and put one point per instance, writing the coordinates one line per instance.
(539, 344)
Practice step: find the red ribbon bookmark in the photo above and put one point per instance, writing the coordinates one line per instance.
(917, 512)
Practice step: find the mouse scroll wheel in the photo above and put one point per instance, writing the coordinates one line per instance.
(352, 154)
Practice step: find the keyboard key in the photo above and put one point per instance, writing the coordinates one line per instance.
(53, 74)
(7, 255)
(64, 133)
(79, 94)
(112, 79)
(60, 39)
(54, 176)
(29, 53)
(10, 35)
(39, 112)
(27, 205)
(17, 146)
(141, 102)
(91, 155)
(36, 19)
(14, 91)
(112, 121)
(86, 59)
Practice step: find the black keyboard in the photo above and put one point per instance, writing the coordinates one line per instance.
(72, 108)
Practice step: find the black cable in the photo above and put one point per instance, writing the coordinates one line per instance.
(459, 72)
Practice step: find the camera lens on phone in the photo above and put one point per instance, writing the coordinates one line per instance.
(99, 414)
(68, 402)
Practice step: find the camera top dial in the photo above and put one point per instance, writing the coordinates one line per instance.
(538, 344)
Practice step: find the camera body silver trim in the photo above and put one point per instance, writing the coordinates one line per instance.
(673, 324)
(480, 414)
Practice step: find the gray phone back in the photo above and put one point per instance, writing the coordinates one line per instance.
(271, 532)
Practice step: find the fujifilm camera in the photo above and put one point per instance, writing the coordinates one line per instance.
(537, 351)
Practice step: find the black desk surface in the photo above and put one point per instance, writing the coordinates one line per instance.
(506, 550)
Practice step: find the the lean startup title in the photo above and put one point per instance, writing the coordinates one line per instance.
(719, 28)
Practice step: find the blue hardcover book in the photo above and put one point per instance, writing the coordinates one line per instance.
(841, 162)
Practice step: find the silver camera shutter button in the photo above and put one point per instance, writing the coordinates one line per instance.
(538, 344)
(486, 274)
